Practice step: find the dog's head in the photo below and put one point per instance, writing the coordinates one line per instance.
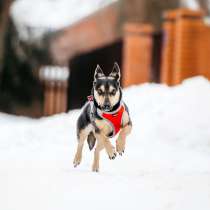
(106, 89)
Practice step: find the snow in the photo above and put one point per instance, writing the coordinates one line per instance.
(34, 18)
(165, 165)
(191, 4)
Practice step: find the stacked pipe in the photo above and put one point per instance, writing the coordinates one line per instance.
(137, 53)
(55, 89)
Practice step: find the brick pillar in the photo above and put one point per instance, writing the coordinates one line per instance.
(204, 52)
(167, 61)
(137, 53)
(187, 44)
(207, 46)
(55, 89)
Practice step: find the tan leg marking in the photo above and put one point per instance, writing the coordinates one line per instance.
(99, 147)
(108, 146)
(121, 140)
(78, 156)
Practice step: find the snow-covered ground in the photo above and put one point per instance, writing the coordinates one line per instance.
(166, 164)
(34, 18)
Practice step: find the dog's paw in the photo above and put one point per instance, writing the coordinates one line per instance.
(121, 152)
(77, 160)
(95, 168)
(112, 154)
(120, 148)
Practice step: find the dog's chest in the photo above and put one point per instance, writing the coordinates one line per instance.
(104, 127)
(107, 128)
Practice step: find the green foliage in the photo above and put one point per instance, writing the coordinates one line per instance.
(18, 86)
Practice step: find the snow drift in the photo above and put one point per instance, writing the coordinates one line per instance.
(165, 165)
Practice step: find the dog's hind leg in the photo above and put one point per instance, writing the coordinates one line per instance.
(99, 147)
(82, 136)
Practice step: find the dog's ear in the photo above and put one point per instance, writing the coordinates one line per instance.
(115, 72)
(98, 72)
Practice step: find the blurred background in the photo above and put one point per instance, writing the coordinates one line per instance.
(49, 48)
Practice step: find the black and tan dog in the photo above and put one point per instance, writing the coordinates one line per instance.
(103, 116)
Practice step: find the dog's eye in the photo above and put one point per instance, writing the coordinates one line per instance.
(100, 92)
(113, 92)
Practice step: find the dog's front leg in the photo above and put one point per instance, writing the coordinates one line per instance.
(98, 148)
(108, 146)
(109, 149)
(121, 140)
(78, 155)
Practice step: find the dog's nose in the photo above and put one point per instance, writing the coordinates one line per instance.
(106, 106)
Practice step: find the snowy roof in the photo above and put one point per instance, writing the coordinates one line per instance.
(192, 4)
(33, 18)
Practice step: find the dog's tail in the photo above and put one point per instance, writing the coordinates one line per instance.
(91, 140)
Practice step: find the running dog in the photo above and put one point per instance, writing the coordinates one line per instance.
(103, 116)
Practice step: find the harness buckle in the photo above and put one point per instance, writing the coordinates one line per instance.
(90, 98)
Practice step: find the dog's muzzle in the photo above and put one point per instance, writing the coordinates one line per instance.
(106, 107)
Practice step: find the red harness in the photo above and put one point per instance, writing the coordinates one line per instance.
(115, 119)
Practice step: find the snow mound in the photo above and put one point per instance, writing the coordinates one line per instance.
(33, 18)
(165, 166)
